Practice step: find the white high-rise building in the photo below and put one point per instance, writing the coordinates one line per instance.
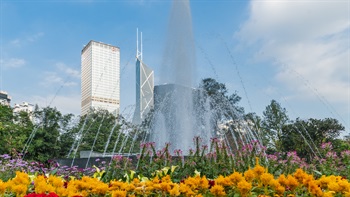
(100, 77)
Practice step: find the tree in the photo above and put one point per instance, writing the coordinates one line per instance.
(225, 107)
(227, 115)
(101, 131)
(274, 118)
(306, 136)
(255, 123)
(45, 142)
(14, 130)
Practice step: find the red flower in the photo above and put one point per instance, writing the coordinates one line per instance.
(51, 194)
(211, 183)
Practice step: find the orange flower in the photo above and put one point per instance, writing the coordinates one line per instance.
(244, 187)
(2, 187)
(258, 170)
(300, 175)
(218, 190)
(282, 180)
(249, 175)
(118, 193)
(175, 191)
(266, 178)
(292, 182)
(235, 178)
(221, 180)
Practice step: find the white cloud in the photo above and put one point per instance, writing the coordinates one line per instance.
(16, 42)
(35, 37)
(12, 63)
(62, 75)
(309, 40)
(68, 70)
(54, 78)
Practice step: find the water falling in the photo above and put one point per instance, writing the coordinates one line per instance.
(176, 118)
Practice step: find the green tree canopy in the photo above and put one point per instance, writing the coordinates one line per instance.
(14, 130)
(45, 142)
(306, 136)
(274, 118)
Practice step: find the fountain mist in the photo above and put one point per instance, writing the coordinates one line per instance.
(176, 120)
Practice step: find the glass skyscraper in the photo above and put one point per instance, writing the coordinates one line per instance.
(144, 86)
(100, 77)
(144, 91)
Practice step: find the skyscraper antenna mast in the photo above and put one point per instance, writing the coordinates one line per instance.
(138, 53)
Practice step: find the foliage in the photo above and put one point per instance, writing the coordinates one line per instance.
(256, 181)
(101, 131)
(274, 118)
(305, 136)
(226, 115)
(224, 106)
(14, 130)
(44, 142)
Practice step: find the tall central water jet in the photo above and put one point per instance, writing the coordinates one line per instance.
(176, 118)
(179, 55)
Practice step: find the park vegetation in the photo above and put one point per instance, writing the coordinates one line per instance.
(301, 157)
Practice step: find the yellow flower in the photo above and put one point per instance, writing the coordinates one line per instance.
(323, 181)
(175, 190)
(344, 185)
(221, 180)
(99, 188)
(266, 178)
(333, 186)
(203, 183)
(19, 184)
(244, 187)
(300, 175)
(292, 182)
(258, 170)
(20, 190)
(2, 187)
(274, 183)
(283, 180)
(165, 186)
(308, 179)
(166, 179)
(236, 177)
(186, 189)
(218, 190)
(249, 175)
(328, 194)
(280, 190)
(118, 193)
(314, 189)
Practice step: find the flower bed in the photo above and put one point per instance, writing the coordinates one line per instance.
(214, 172)
(253, 182)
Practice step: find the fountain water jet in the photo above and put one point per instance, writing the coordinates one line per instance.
(176, 119)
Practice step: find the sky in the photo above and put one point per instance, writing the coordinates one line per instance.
(296, 52)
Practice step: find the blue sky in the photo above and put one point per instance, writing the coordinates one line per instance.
(296, 52)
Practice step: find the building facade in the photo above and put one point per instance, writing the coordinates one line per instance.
(25, 107)
(144, 86)
(144, 91)
(100, 78)
(5, 99)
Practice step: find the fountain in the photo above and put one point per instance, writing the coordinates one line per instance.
(180, 111)
(177, 117)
